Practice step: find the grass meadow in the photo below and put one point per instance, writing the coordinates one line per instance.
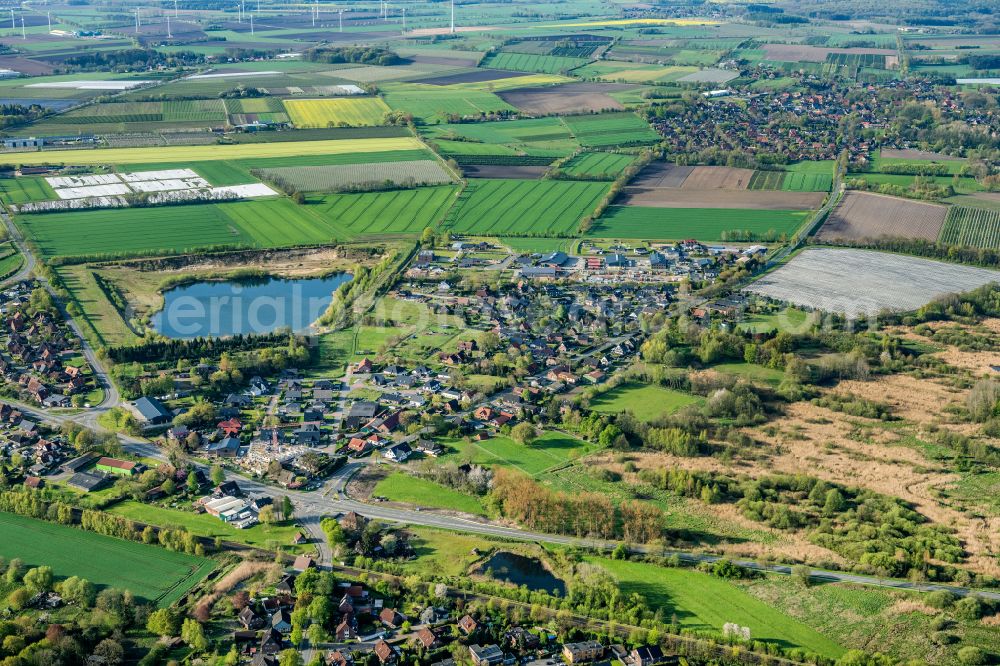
(402, 487)
(703, 602)
(552, 449)
(646, 401)
(150, 572)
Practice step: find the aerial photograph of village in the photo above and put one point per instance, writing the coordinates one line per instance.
(499, 333)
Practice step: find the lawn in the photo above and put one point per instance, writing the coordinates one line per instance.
(706, 224)
(204, 525)
(524, 207)
(646, 401)
(98, 312)
(240, 151)
(402, 487)
(549, 450)
(336, 111)
(703, 602)
(150, 572)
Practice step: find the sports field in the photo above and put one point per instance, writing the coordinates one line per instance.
(700, 223)
(241, 151)
(550, 450)
(703, 602)
(336, 111)
(401, 487)
(646, 401)
(524, 207)
(150, 572)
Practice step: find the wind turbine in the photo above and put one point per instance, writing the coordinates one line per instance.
(176, 13)
(342, 20)
(404, 20)
(453, 17)
(48, 16)
(13, 26)
(169, 36)
(24, 35)
(137, 24)
(251, 25)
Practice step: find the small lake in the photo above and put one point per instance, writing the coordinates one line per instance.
(521, 570)
(219, 309)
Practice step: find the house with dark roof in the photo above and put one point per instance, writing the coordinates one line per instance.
(88, 481)
(152, 412)
(228, 447)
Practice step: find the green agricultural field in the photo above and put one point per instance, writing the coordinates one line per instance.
(98, 313)
(338, 177)
(131, 230)
(236, 172)
(599, 166)
(396, 212)
(274, 222)
(973, 227)
(436, 103)
(706, 224)
(703, 602)
(797, 181)
(550, 450)
(150, 572)
(402, 487)
(10, 259)
(630, 72)
(538, 136)
(646, 401)
(241, 151)
(524, 207)
(611, 129)
(524, 62)
(766, 180)
(24, 190)
(204, 525)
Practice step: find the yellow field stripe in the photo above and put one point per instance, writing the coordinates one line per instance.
(619, 22)
(161, 154)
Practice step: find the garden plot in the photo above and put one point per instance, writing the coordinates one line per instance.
(865, 215)
(860, 283)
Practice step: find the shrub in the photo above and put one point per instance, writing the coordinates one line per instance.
(972, 655)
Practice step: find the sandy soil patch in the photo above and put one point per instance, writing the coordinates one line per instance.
(912, 154)
(718, 178)
(866, 215)
(559, 99)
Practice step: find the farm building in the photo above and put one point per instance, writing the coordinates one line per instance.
(117, 467)
(152, 411)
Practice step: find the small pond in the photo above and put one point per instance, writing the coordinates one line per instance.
(521, 570)
(218, 309)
